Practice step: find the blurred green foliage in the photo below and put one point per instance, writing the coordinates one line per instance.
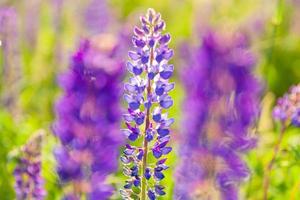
(272, 26)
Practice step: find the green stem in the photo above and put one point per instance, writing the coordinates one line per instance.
(271, 163)
(144, 163)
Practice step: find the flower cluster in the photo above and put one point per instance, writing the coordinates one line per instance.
(88, 118)
(220, 107)
(288, 107)
(147, 97)
(29, 183)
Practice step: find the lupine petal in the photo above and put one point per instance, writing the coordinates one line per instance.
(159, 175)
(165, 39)
(166, 150)
(147, 174)
(166, 103)
(156, 153)
(133, 55)
(159, 190)
(166, 74)
(163, 132)
(151, 195)
(137, 70)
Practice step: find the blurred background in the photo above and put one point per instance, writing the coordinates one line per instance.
(42, 34)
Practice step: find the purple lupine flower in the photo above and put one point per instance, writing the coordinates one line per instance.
(29, 182)
(220, 107)
(9, 47)
(88, 119)
(147, 97)
(287, 109)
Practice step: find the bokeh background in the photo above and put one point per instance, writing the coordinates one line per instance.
(44, 33)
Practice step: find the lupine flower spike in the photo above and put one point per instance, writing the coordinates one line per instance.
(220, 108)
(29, 182)
(88, 119)
(147, 121)
(287, 112)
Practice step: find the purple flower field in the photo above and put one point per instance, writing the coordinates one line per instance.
(149, 100)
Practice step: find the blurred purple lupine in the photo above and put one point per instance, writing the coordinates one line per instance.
(29, 183)
(97, 16)
(9, 48)
(32, 21)
(221, 105)
(88, 116)
(288, 107)
(148, 99)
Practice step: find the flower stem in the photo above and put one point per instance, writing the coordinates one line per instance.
(295, 190)
(271, 163)
(144, 164)
(145, 144)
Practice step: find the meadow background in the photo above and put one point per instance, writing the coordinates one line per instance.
(48, 31)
